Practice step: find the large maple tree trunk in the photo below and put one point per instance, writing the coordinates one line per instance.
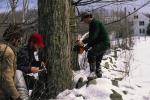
(54, 24)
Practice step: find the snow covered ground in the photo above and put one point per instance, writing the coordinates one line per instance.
(138, 82)
(134, 85)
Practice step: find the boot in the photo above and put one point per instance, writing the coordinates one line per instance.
(92, 75)
(80, 83)
(99, 73)
(92, 70)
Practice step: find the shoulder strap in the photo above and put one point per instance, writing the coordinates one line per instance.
(2, 55)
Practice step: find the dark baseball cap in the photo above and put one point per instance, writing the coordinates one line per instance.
(85, 15)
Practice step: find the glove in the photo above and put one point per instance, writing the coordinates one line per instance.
(86, 48)
(79, 43)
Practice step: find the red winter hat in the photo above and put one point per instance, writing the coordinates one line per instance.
(38, 39)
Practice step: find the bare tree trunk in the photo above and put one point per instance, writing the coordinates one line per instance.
(54, 24)
(24, 9)
(13, 4)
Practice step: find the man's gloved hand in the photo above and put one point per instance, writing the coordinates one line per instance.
(79, 43)
(86, 48)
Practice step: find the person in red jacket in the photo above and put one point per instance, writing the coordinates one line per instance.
(30, 59)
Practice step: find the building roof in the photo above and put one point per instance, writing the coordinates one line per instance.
(147, 15)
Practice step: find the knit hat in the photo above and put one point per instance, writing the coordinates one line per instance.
(13, 31)
(38, 39)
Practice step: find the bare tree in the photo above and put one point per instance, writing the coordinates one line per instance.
(13, 4)
(24, 9)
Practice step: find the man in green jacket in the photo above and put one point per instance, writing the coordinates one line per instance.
(11, 39)
(97, 43)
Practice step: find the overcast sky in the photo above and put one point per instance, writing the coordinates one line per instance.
(4, 6)
(129, 5)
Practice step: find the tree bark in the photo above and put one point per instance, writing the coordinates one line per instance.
(54, 25)
(74, 35)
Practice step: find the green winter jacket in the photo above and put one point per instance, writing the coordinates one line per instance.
(97, 36)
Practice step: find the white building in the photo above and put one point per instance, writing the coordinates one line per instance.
(140, 22)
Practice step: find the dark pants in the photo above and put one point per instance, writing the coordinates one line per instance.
(98, 61)
(35, 85)
(43, 76)
(95, 55)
